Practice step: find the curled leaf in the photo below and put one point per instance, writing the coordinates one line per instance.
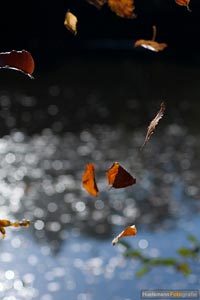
(97, 3)
(88, 180)
(123, 8)
(128, 231)
(71, 22)
(118, 177)
(184, 3)
(7, 223)
(151, 44)
(153, 123)
(18, 60)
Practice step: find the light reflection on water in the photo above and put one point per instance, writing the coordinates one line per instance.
(67, 251)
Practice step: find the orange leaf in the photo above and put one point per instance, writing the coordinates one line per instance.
(151, 45)
(7, 223)
(97, 3)
(118, 177)
(183, 3)
(88, 180)
(128, 231)
(18, 60)
(154, 122)
(71, 22)
(122, 8)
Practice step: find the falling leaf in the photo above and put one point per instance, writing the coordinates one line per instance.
(88, 180)
(184, 3)
(123, 8)
(7, 223)
(128, 231)
(118, 177)
(71, 22)
(97, 3)
(153, 123)
(18, 60)
(151, 44)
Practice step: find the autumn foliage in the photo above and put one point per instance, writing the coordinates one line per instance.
(18, 60)
(88, 180)
(184, 3)
(122, 8)
(128, 231)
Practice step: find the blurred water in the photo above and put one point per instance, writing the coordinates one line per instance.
(67, 252)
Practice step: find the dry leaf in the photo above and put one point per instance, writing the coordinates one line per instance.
(118, 177)
(151, 44)
(18, 60)
(7, 223)
(184, 3)
(71, 22)
(128, 231)
(97, 3)
(123, 8)
(154, 122)
(88, 180)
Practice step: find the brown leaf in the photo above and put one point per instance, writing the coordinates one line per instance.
(123, 8)
(97, 3)
(18, 60)
(151, 45)
(154, 122)
(88, 180)
(7, 223)
(128, 231)
(71, 22)
(118, 177)
(184, 3)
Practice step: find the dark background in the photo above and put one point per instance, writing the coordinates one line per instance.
(38, 27)
(98, 75)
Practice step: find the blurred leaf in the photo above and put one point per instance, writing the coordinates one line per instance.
(133, 253)
(184, 268)
(123, 8)
(185, 252)
(97, 3)
(141, 272)
(125, 244)
(164, 261)
(192, 239)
